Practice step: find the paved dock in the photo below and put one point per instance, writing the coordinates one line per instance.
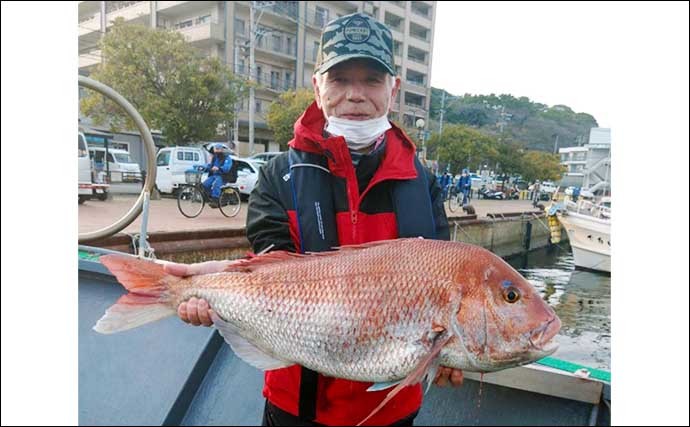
(164, 215)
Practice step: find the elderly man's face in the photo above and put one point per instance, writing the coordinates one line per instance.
(355, 90)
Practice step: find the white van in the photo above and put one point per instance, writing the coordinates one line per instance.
(87, 188)
(172, 162)
(122, 167)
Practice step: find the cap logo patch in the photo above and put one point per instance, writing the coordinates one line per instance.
(357, 30)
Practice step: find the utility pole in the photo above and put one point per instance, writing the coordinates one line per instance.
(252, 72)
(503, 116)
(555, 145)
(443, 106)
(252, 65)
(236, 118)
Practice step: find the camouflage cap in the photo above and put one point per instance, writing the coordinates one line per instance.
(355, 36)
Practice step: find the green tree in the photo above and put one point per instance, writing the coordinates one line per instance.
(461, 146)
(542, 166)
(173, 86)
(284, 112)
(510, 159)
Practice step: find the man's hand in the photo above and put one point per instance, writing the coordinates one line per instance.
(215, 168)
(444, 375)
(195, 311)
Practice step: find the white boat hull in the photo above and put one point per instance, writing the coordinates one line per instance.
(590, 239)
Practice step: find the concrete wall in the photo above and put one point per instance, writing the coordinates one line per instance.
(502, 236)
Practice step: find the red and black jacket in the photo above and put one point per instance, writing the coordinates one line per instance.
(312, 198)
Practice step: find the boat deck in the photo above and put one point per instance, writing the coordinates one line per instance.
(167, 373)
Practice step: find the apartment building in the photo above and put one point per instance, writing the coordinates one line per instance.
(589, 166)
(287, 41)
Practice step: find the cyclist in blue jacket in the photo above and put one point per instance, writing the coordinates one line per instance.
(217, 169)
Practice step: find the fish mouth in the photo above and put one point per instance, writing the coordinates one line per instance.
(541, 339)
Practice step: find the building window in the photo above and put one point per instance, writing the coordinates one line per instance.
(288, 80)
(202, 19)
(419, 32)
(416, 55)
(289, 49)
(316, 50)
(277, 42)
(275, 79)
(397, 48)
(259, 71)
(320, 16)
(183, 24)
(257, 106)
(239, 26)
(393, 21)
(421, 9)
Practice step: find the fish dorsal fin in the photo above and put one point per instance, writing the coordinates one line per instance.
(251, 264)
(246, 350)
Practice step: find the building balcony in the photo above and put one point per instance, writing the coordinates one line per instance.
(90, 59)
(127, 10)
(89, 25)
(209, 31)
(174, 9)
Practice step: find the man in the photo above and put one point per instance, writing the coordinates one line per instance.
(218, 170)
(445, 183)
(464, 184)
(536, 193)
(350, 176)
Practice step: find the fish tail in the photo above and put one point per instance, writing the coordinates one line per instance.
(148, 299)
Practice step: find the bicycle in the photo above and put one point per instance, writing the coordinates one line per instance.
(192, 197)
(454, 198)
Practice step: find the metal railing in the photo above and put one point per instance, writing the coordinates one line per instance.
(150, 147)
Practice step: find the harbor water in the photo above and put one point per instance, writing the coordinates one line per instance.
(582, 300)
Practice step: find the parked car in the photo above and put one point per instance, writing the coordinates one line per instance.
(260, 159)
(548, 187)
(247, 175)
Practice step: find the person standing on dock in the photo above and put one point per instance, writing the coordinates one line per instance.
(464, 184)
(350, 176)
(536, 192)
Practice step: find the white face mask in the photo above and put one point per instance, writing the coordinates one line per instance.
(358, 134)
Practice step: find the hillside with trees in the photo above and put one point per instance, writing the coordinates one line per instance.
(507, 118)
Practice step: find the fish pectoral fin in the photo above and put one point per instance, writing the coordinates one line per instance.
(383, 385)
(244, 349)
(431, 374)
(419, 372)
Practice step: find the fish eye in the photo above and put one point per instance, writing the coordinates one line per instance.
(511, 295)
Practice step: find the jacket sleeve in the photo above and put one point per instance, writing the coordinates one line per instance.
(267, 219)
(439, 211)
(227, 164)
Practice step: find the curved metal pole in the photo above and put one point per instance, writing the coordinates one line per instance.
(150, 161)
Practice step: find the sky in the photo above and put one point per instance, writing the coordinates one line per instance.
(553, 53)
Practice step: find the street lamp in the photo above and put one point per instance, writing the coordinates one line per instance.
(419, 124)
